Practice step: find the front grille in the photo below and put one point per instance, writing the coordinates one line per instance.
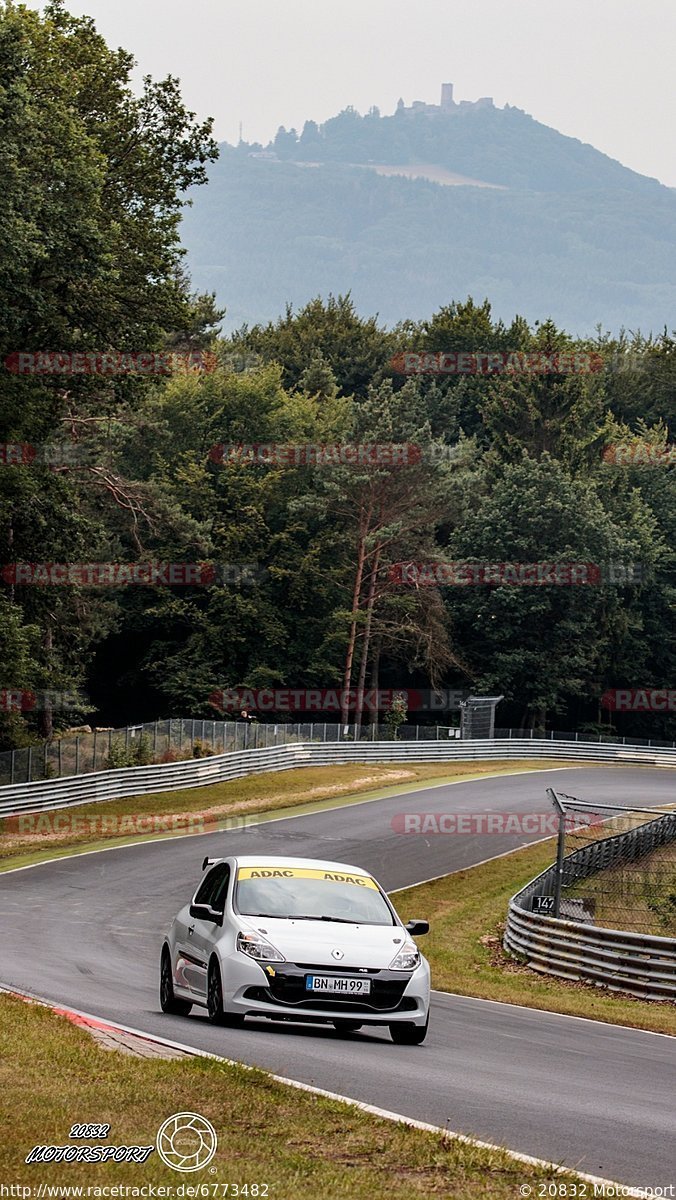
(338, 969)
(407, 1004)
(287, 987)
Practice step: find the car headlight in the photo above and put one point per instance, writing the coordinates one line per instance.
(258, 947)
(407, 959)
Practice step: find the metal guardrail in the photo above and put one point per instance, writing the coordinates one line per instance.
(174, 739)
(195, 773)
(643, 964)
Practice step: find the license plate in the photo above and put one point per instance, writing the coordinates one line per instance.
(342, 985)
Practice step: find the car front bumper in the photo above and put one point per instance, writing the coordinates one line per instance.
(277, 990)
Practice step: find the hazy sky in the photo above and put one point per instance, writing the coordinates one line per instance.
(599, 70)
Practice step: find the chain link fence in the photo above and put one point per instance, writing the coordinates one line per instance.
(177, 739)
(556, 735)
(617, 867)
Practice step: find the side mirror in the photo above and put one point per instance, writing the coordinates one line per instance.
(417, 928)
(204, 912)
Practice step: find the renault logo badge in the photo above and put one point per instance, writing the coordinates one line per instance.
(337, 954)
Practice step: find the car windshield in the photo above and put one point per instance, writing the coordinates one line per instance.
(311, 894)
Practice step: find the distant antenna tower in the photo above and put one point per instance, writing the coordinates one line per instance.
(447, 102)
(240, 131)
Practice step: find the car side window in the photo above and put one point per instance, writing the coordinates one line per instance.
(214, 886)
(221, 890)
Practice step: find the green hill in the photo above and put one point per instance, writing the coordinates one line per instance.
(563, 230)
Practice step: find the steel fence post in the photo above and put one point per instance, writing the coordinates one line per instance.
(560, 849)
(560, 855)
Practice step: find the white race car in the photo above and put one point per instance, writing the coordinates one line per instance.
(296, 939)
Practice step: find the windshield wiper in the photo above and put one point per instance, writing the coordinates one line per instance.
(304, 917)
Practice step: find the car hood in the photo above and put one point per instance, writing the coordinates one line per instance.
(329, 943)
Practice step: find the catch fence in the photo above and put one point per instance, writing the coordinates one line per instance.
(178, 739)
(606, 910)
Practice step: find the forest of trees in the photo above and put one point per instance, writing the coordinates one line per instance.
(512, 466)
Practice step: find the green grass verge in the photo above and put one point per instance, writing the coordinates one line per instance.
(467, 912)
(37, 837)
(53, 1075)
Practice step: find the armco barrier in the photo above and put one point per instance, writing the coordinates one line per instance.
(631, 962)
(195, 773)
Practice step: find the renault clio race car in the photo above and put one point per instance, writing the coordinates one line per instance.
(296, 939)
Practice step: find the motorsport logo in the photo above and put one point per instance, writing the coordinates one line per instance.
(87, 1153)
(185, 1142)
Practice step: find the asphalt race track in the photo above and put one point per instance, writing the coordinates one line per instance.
(87, 931)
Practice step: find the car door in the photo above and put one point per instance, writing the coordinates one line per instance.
(205, 934)
(195, 948)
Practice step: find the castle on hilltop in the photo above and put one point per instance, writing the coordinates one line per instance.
(447, 105)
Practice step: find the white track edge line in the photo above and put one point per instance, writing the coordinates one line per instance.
(372, 1109)
(393, 891)
(177, 837)
(598, 1022)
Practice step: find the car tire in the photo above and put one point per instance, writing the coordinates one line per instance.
(169, 1003)
(344, 1026)
(217, 1015)
(405, 1033)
